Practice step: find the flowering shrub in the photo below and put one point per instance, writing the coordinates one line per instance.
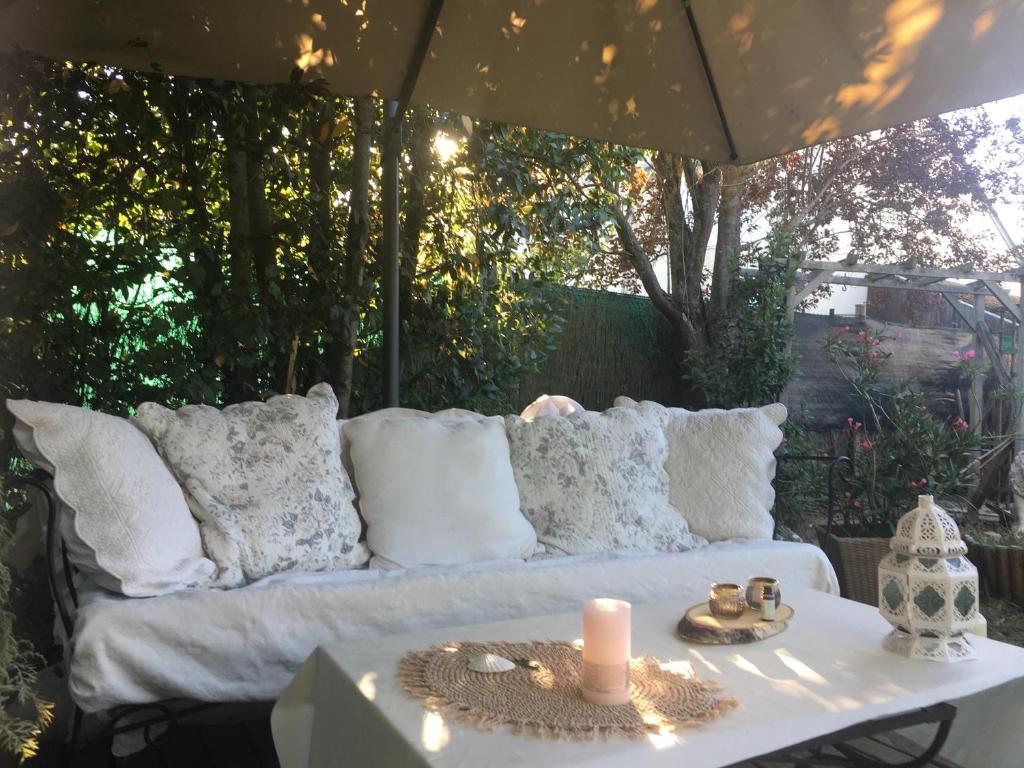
(902, 449)
(967, 364)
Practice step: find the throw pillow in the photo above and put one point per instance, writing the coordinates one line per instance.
(721, 464)
(437, 490)
(596, 482)
(265, 481)
(125, 520)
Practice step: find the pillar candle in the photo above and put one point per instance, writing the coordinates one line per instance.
(606, 651)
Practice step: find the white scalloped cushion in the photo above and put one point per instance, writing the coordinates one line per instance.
(129, 525)
(721, 464)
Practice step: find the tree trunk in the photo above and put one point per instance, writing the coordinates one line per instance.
(727, 249)
(342, 347)
(259, 217)
(239, 377)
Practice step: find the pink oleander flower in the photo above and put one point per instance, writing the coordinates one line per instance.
(913, 484)
(861, 335)
(875, 342)
(845, 329)
(956, 354)
(959, 423)
(867, 445)
(856, 504)
(970, 354)
(923, 408)
(898, 335)
(848, 495)
(923, 481)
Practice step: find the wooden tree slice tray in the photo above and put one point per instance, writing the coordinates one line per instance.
(698, 625)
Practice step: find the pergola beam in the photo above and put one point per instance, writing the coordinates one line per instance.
(909, 272)
(893, 282)
(800, 293)
(1004, 298)
(984, 339)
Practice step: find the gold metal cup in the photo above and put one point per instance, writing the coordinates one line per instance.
(726, 600)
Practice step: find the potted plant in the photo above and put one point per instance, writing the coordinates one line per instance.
(902, 450)
(999, 554)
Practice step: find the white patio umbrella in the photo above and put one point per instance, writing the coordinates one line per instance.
(736, 80)
(730, 80)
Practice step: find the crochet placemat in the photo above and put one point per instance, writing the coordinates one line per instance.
(541, 694)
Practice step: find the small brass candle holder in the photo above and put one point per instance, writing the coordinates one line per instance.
(726, 601)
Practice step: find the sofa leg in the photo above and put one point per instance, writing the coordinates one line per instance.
(76, 729)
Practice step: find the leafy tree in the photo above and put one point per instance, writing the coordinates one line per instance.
(906, 194)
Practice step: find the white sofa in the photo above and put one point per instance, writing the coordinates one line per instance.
(245, 644)
(189, 639)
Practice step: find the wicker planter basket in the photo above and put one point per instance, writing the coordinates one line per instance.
(1000, 569)
(856, 562)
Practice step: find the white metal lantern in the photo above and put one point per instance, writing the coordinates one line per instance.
(927, 588)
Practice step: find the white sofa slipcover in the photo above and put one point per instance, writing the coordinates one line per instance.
(245, 644)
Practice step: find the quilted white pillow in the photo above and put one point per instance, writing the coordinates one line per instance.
(126, 522)
(596, 482)
(265, 481)
(437, 490)
(721, 464)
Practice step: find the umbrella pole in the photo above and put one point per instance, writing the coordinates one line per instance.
(390, 180)
(394, 111)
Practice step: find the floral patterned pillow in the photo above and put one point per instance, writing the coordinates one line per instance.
(265, 481)
(596, 482)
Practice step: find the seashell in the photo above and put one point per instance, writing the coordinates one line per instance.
(490, 662)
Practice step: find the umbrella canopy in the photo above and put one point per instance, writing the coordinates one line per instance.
(731, 80)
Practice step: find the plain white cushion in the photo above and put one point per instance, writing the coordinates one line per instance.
(125, 518)
(721, 464)
(265, 481)
(596, 482)
(437, 490)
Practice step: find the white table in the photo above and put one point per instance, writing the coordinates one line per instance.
(826, 672)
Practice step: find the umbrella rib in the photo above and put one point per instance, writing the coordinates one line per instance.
(419, 55)
(710, 78)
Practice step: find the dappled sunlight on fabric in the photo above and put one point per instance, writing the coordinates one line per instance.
(887, 74)
(434, 733)
(682, 668)
(802, 670)
(662, 733)
(543, 677)
(795, 688)
(985, 21)
(709, 664)
(309, 56)
(886, 692)
(367, 685)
